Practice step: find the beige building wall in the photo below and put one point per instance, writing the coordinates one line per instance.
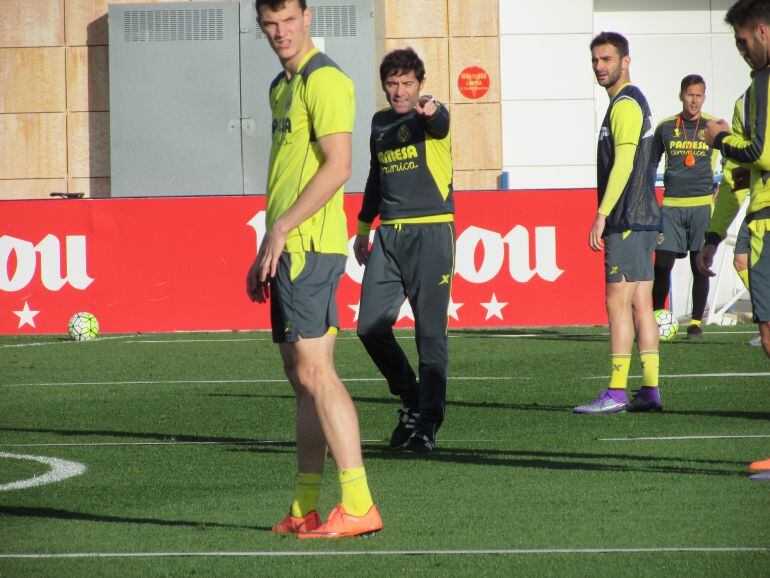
(450, 36)
(54, 89)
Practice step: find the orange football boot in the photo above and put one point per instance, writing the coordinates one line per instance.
(761, 465)
(292, 525)
(342, 525)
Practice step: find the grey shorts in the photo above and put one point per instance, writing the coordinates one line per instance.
(759, 268)
(305, 305)
(629, 256)
(684, 228)
(742, 241)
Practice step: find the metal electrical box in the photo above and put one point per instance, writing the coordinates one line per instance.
(188, 93)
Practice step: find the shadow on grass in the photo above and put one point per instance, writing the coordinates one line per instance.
(158, 437)
(531, 333)
(394, 402)
(506, 458)
(27, 512)
(555, 461)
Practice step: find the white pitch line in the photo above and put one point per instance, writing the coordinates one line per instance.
(675, 438)
(60, 470)
(240, 381)
(689, 375)
(63, 342)
(504, 551)
(132, 338)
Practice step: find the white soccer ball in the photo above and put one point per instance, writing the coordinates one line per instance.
(667, 324)
(83, 327)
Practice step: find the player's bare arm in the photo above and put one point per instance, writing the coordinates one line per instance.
(331, 175)
(595, 234)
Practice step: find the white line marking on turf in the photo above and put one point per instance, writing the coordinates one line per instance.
(674, 438)
(278, 553)
(688, 375)
(60, 470)
(237, 381)
(133, 339)
(62, 342)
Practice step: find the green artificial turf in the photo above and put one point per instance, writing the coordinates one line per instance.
(188, 444)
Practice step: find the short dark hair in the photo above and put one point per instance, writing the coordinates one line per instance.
(748, 12)
(690, 80)
(617, 40)
(402, 61)
(276, 5)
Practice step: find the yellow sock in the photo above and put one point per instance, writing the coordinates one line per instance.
(355, 491)
(650, 367)
(306, 492)
(620, 365)
(697, 322)
(744, 275)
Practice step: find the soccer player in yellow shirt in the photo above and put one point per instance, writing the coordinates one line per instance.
(300, 262)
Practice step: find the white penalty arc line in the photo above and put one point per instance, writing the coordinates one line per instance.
(60, 470)
(240, 381)
(488, 551)
(676, 438)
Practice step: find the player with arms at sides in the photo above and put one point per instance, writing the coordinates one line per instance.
(627, 227)
(410, 188)
(750, 20)
(300, 262)
(688, 181)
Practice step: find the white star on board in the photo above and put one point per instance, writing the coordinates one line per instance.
(453, 308)
(355, 309)
(26, 316)
(494, 308)
(405, 311)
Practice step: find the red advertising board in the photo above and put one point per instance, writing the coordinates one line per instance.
(179, 264)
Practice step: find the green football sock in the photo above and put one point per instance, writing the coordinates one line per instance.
(621, 362)
(650, 367)
(306, 492)
(356, 498)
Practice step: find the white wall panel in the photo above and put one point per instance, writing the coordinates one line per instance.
(718, 11)
(548, 133)
(551, 105)
(526, 72)
(563, 177)
(653, 17)
(545, 16)
(658, 64)
(731, 76)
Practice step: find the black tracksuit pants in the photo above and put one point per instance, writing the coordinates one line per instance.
(414, 261)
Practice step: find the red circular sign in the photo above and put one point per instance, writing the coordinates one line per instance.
(473, 82)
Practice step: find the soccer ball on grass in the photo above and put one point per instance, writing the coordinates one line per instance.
(667, 324)
(83, 327)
